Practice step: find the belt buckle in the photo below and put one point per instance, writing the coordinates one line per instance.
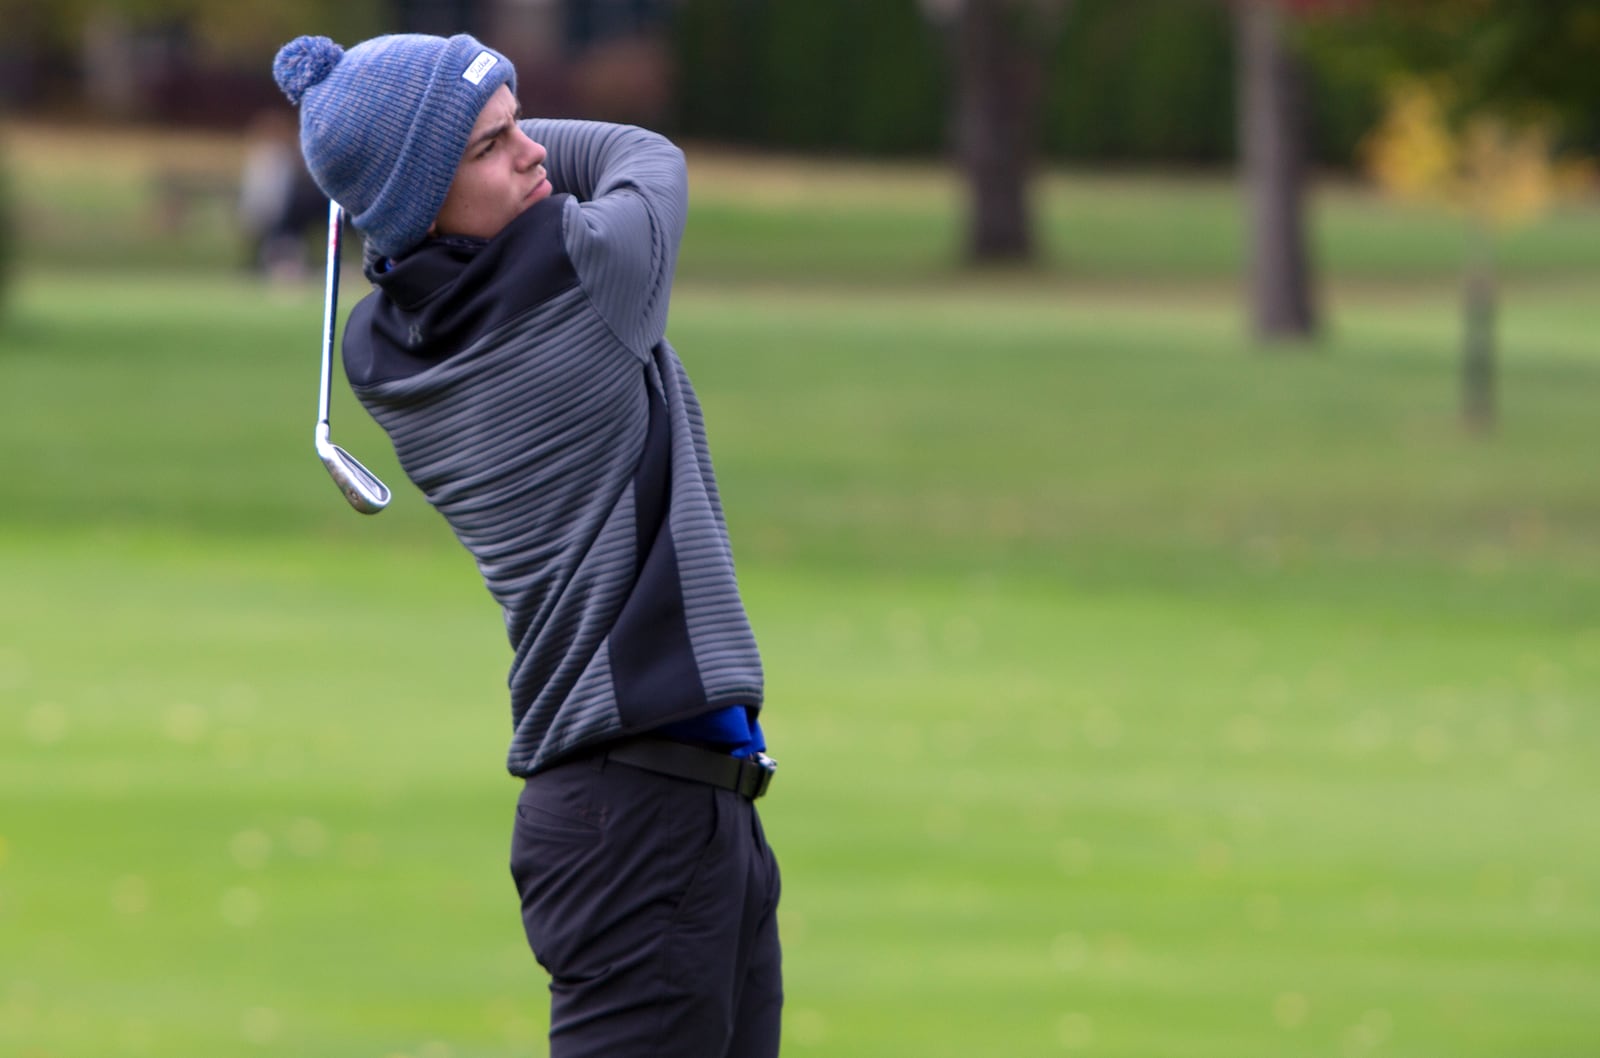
(763, 768)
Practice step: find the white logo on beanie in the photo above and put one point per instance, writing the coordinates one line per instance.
(480, 68)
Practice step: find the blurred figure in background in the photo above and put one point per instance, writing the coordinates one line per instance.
(278, 201)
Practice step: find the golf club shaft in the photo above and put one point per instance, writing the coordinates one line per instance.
(330, 307)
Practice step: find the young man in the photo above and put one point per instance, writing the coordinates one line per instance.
(514, 351)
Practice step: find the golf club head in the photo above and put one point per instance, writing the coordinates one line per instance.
(360, 486)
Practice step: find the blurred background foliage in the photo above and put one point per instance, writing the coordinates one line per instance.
(1150, 81)
(1525, 59)
(1147, 82)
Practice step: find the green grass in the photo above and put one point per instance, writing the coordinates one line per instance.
(1138, 693)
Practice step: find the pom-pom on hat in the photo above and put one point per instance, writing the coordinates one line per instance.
(383, 125)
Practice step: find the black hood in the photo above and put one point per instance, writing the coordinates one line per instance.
(430, 301)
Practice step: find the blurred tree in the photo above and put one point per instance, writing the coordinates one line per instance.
(1512, 56)
(1273, 142)
(1482, 90)
(1000, 48)
(1144, 83)
(1141, 82)
(1498, 174)
(825, 75)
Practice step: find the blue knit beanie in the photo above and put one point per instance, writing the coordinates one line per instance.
(383, 125)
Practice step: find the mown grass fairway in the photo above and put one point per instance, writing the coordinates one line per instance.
(1137, 693)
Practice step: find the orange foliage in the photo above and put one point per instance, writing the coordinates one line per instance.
(1500, 173)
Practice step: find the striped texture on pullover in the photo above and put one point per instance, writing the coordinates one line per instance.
(531, 395)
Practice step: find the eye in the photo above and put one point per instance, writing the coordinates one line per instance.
(487, 148)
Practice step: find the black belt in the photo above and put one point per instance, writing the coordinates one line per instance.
(747, 776)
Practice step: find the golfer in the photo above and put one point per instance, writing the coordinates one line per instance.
(513, 349)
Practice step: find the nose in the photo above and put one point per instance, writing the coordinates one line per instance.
(530, 152)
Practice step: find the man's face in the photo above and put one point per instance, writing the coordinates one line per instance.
(500, 174)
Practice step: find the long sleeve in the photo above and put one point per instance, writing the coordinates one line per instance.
(630, 198)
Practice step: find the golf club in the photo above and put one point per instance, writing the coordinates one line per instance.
(360, 486)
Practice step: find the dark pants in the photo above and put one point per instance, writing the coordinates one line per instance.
(652, 903)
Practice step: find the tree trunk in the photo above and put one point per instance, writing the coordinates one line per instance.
(1478, 337)
(998, 76)
(1272, 141)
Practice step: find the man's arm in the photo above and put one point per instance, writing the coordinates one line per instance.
(632, 198)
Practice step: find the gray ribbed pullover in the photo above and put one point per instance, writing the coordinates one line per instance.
(530, 394)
